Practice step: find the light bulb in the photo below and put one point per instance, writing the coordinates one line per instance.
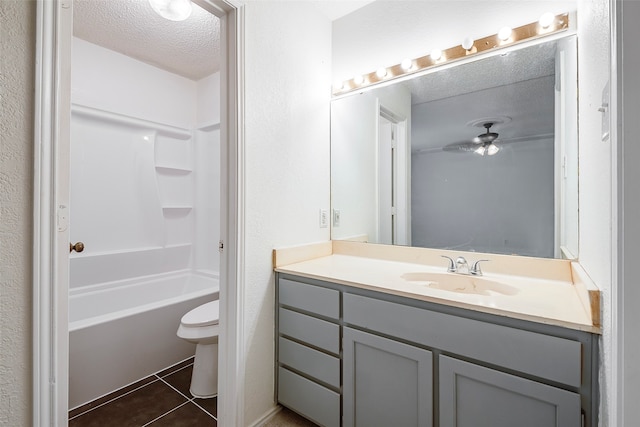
(492, 149)
(406, 64)
(436, 54)
(358, 80)
(546, 20)
(381, 73)
(338, 86)
(480, 150)
(504, 33)
(173, 10)
(467, 43)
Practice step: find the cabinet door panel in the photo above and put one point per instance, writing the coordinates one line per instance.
(475, 396)
(386, 383)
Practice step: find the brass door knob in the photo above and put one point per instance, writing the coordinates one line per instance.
(78, 247)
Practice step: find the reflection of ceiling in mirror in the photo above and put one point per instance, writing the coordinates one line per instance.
(189, 48)
(519, 85)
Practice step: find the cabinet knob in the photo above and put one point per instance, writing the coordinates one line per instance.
(78, 247)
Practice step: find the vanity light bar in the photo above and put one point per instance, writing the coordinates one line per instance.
(518, 35)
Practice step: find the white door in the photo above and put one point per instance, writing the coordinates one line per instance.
(51, 210)
(386, 182)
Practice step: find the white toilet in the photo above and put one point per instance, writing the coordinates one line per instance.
(200, 326)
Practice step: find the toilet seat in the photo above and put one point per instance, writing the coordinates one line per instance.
(204, 315)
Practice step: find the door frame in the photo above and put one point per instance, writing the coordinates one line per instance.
(52, 117)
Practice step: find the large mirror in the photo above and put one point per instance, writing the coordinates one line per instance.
(481, 156)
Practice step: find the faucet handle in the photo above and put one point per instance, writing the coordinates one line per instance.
(452, 265)
(475, 268)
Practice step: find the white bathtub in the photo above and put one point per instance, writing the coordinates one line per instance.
(124, 331)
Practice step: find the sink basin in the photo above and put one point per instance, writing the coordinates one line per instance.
(460, 283)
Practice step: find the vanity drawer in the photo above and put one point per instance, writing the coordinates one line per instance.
(312, 400)
(314, 363)
(322, 301)
(544, 356)
(317, 332)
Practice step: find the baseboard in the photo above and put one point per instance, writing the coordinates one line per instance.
(267, 416)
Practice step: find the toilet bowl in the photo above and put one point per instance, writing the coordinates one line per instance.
(200, 326)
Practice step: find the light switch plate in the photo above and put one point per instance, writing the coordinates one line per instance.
(336, 217)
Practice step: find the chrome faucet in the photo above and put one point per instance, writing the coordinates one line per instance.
(461, 266)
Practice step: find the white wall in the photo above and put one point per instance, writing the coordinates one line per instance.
(287, 93)
(16, 212)
(354, 172)
(595, 183)
(130, 87)
(354, 131)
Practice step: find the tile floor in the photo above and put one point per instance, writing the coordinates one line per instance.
(163, 400)
(159, 400)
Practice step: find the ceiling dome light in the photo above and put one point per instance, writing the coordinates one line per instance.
(504, 33)
(173, 10)
(546, 20)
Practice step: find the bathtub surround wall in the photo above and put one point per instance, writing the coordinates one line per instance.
(145, 175)
(145, 190)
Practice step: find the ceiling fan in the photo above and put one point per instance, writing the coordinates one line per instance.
(483, 144)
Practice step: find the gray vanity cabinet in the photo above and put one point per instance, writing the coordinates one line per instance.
(475, 396)
(386, 383)
(354, 357)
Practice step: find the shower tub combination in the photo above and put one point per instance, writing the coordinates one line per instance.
(123, 331)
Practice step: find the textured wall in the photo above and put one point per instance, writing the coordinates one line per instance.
(17, 33)
(287, 92)
(595, 250)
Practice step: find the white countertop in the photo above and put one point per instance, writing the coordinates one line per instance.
(555, 302)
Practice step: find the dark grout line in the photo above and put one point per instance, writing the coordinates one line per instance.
(166, 413)
(206, 412)
(178, 391)
(190, 398)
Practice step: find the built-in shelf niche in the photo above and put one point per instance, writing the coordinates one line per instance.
(173, 153)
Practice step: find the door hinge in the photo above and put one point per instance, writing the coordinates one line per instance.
(62, 218)
(220, 246)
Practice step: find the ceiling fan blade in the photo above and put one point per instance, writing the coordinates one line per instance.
(463, 146)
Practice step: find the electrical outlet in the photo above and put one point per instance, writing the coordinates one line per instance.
(336, 218)
(324, 218)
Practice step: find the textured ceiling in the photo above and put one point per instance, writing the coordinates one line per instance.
(518, 85)
(190, 48)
